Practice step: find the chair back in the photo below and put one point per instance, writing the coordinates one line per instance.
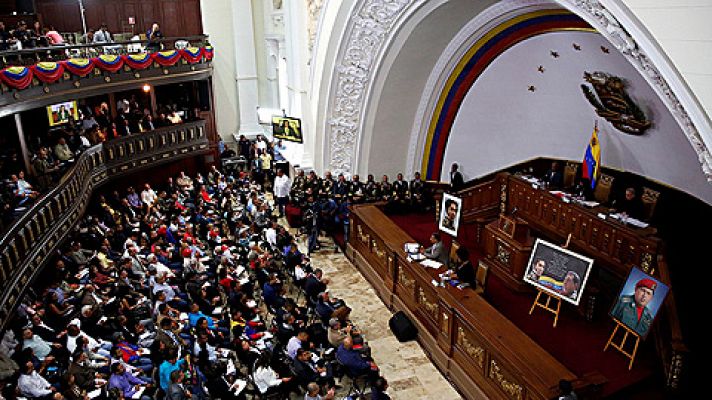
(650, 200)
(570, 171)
(603, 188)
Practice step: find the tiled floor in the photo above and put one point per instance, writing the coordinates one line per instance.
(409, 372)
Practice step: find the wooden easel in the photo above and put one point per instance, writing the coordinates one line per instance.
(621, 346)
(546, 306)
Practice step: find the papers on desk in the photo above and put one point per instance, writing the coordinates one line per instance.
(630, 221)
(431, 264)
(411, 248)
(415, 257)
(530, 179)
(589, 204)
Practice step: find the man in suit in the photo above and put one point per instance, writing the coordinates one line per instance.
(436, 251)
(456, 179)
(554, 177)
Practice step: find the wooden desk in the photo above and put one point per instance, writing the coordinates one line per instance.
(467, 339)
(616, 245)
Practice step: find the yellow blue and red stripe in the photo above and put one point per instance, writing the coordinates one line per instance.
(16, 77)
(138, 61)
(473, 64)
(109, 62)
(48, 72)
(592, 159)
(79, 66)
(166, 58)
(192, 54)
(208, 52)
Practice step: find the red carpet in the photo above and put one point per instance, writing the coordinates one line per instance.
(575, 342)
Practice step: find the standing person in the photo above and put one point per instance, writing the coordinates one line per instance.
(154, 37)
(282, 186)
(456, 179)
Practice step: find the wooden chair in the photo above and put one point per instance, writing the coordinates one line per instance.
(481, 278)
(650, 200)
(603, 188)
(570, 171)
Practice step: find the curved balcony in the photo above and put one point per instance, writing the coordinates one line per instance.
(37, 77)
(32, 240)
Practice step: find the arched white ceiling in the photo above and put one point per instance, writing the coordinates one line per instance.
(501, 122)
(382, 59)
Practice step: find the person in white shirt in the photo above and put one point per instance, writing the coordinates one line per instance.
(266, 379)
(32, 384)
(271, 234)
(202, 345)
(282, 186)
(148, 196)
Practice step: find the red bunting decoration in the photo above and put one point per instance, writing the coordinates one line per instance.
(79, 66)
(109, 62)
(138, 61)
(166, 58)
(48, 72)
(192, 54)
(16, 77)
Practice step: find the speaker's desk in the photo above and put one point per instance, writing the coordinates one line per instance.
(467, 339)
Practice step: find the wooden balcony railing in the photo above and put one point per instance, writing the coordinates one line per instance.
(33, 239)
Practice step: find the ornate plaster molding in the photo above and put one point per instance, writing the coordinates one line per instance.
(371, 22)
(611, 28)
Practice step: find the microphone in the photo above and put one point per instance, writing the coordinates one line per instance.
(514, 211)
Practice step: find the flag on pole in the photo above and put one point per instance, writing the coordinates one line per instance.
(592, 159)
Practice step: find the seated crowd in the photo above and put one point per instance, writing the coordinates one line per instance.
(189, 291)
(61, 147)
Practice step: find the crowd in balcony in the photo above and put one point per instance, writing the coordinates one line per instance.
(24, 37)
(190, 290)
(58, 150)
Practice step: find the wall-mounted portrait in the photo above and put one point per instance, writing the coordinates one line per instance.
(558, 271)
(639, 301)
(450, 211)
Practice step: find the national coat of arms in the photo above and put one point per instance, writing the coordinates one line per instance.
(611, 102)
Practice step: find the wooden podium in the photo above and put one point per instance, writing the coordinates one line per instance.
(508, 245)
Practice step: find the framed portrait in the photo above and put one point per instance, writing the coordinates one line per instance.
(558, 271)
(507, 225)
(287, 128)
(450, 211)
(639, 301)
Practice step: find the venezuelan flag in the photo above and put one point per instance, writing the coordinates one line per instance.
(592, 159)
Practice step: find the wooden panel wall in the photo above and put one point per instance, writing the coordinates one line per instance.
(176, 17)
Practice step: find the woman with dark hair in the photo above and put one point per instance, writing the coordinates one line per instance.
(464, 272)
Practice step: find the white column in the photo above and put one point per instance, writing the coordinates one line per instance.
(297, 52)
(246, 67)
(273, 72)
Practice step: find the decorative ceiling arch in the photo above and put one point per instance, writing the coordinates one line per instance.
(473, 63)
(373, 26)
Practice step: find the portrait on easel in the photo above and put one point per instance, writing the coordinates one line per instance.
(558, 271)
(450, 214)
(639, 302)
